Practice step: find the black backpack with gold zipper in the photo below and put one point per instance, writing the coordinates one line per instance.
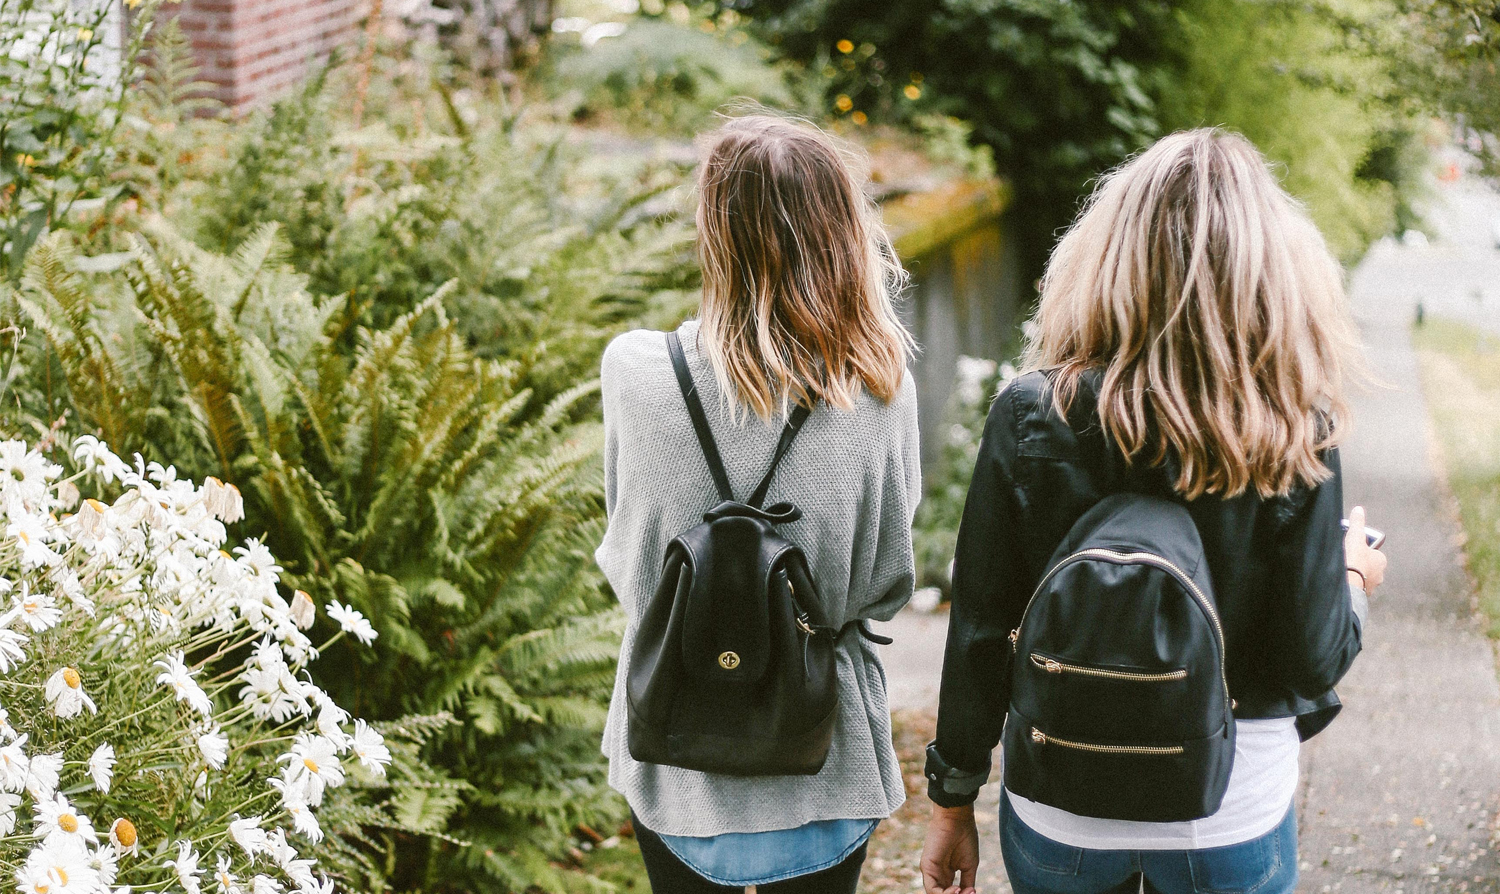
(1119, 705)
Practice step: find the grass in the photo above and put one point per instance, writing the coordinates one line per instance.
(1461, 378)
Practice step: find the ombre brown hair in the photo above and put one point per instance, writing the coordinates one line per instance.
(798, 274)
(1213, 307)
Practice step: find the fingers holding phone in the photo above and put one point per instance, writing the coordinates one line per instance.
(1361, 552)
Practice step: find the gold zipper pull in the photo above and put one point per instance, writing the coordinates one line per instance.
(1038, 736)
(1052, 667)
(1014, 635)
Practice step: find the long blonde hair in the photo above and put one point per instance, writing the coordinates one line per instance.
(798, 273)
(1211, 303)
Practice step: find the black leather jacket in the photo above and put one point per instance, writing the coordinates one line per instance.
(1277, 565)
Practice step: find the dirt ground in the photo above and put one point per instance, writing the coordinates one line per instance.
(896, 848)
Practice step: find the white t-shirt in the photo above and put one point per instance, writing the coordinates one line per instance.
(1262, 783)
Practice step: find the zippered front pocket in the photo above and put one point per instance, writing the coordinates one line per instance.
(1042, 738)
(1053, 666)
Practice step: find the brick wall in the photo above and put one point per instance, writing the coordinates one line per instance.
(255, 49)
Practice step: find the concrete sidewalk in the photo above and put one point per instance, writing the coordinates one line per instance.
(1401, 793)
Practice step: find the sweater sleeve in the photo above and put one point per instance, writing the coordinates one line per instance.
(610, 398)
(988, 598)
(894, 575)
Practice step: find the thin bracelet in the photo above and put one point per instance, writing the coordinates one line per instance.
(1362, 584)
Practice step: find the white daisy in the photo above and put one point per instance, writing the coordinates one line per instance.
(12, 649)
(257, 559)
(31, 535)
(369, 747)
(228, 884)
(215, 746)
(186, 867)
(43, 774)
(25, 474)
(57, 869)
(352, 622)
(105, 862)
(331, 719)
(92, 519)
(303, 819)
(102, 766)
(8, 805)
(65, 692)
(303, 610)
(264, 884)
(56, 821)
(97, 459)
(223, 500)
(176, 675)
(36, 610)
(248, 834)
(312, 765)
(15, 765)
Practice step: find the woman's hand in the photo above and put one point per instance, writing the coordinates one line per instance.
(952, 849)
(1360, 557)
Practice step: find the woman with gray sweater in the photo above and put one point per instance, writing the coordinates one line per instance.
(797, 310)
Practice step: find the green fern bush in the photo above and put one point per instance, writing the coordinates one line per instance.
(550, 246)
(394, 470)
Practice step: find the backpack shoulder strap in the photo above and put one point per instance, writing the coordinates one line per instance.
(793, 425)
(700, 420)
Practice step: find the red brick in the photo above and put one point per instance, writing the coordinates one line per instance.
(254, 49)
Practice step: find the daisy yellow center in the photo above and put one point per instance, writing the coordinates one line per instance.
(71, 677)
(68, 823)
(43, 888)
(95, 504)
(310, 764)
(62, 876)
(24, 537)
(125, 832)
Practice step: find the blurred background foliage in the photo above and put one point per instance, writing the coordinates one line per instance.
(377, 304)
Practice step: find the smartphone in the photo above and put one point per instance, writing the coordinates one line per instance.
(1373, 537)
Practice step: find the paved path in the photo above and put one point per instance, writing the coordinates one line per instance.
(1401, 794)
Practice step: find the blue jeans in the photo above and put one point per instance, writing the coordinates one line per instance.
(1038, 865)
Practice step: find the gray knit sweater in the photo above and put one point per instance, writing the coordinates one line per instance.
(855, 475)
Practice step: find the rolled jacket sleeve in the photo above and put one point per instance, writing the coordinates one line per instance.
(988, 599)
(1319, 626)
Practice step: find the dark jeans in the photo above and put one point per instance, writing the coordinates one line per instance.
(1038, 865)
(670, 875)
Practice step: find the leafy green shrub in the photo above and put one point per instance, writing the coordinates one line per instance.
(62, 89)
(402, 476)
(664, 77)
(550, 252)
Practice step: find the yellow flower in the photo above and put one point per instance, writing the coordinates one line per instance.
(912, 91)
(85, 34)
(845, 46)
(859, 118)
(71, 677)
(843, 103)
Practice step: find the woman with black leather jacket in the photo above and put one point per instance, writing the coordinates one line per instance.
(1191, 343)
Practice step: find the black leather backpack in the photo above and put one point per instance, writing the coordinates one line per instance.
(733, 668)
(1119, 706)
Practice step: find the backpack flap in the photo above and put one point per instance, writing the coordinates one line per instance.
(726, 633)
